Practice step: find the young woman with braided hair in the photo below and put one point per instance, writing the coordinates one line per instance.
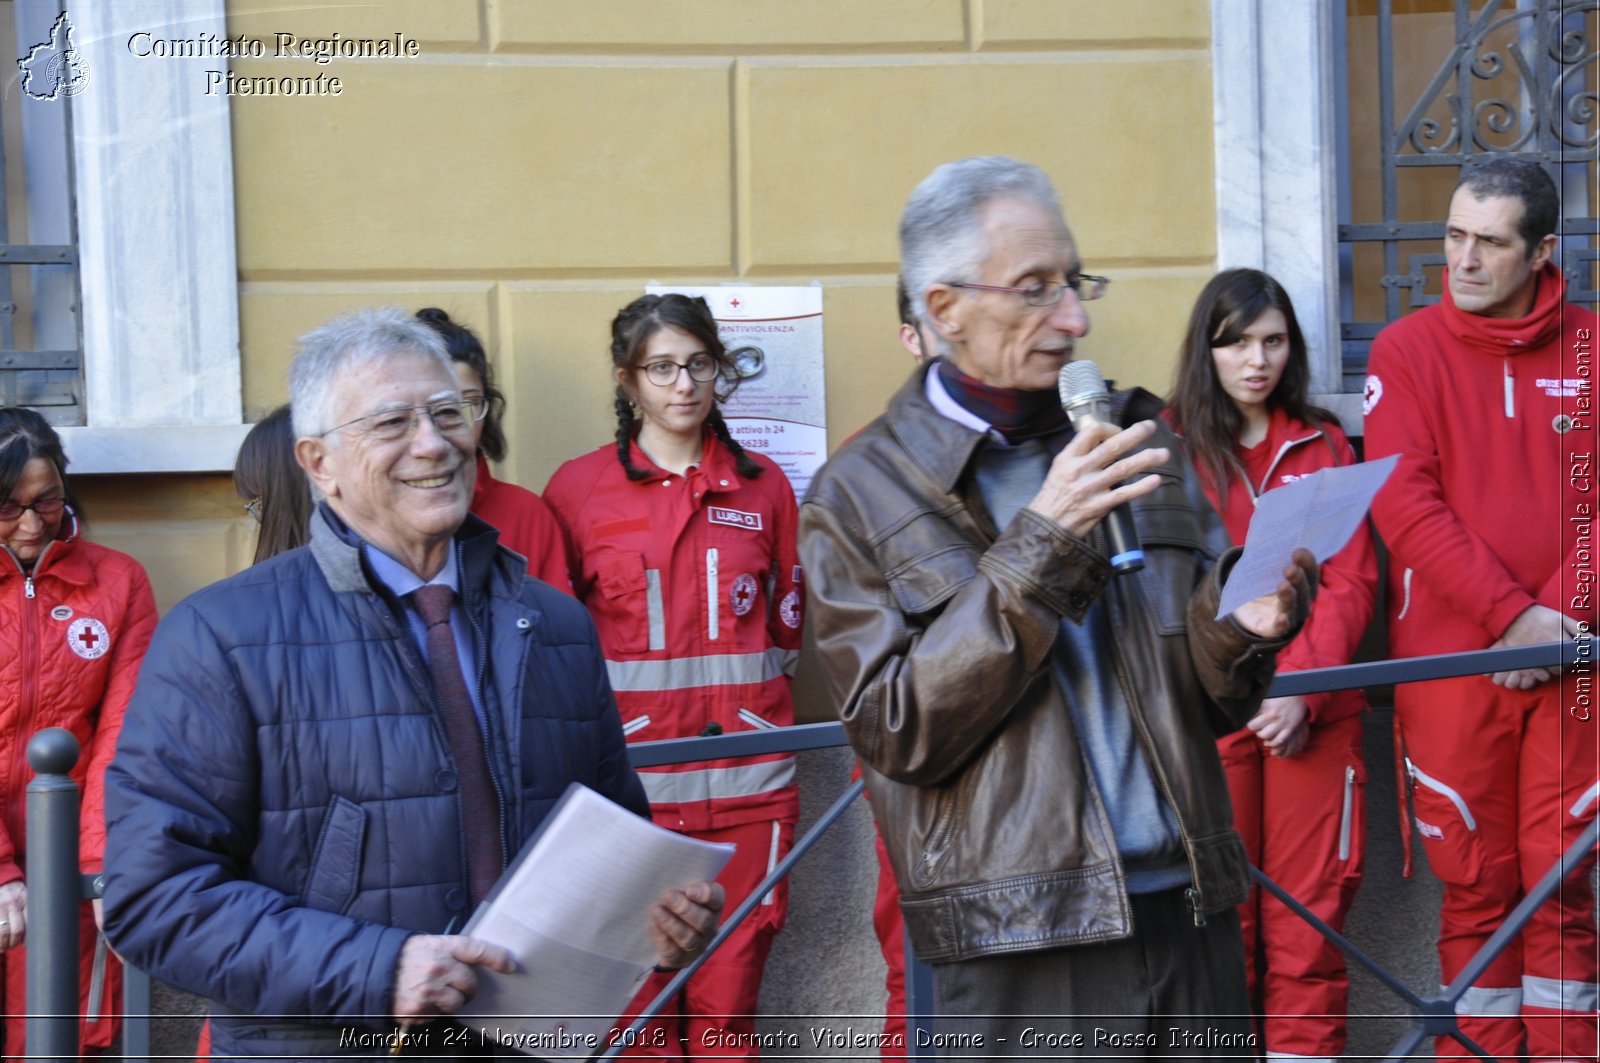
(683, 548)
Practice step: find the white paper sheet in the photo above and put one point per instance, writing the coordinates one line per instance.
(573, 909)
(1319, 512)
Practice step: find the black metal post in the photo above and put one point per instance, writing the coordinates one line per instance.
(53, 891)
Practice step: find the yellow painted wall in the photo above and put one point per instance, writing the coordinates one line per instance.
(541, 161)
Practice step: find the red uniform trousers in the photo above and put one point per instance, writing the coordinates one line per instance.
(1302, 819)
(1502, 782)
(714, 1016)
(92, 1037)
(891, 930)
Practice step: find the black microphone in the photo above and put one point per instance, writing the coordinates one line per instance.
(1084, 397)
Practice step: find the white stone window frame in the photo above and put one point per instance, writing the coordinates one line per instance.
(1276, 126)
(153, 169)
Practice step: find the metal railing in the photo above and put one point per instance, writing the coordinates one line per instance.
(55, 885)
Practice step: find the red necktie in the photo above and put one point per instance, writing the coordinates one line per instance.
(480, 809)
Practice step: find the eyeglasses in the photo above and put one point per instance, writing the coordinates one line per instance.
(450, 417)
(253, 507)
(479, 403)
(1085, 286)
(45, 507)
(664, 374)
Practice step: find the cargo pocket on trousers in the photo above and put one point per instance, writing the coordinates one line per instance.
(1353, 822)
(1449, 831)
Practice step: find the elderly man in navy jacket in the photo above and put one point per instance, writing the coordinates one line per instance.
(311, 789)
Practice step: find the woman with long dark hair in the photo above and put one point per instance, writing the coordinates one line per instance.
(683, 547)
(524, 521)
(1295, 771)
(273, 486)
(75, 621)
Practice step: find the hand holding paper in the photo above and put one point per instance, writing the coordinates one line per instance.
(684, 921)
(593, 900)
(1320, 513)
(436, 974)
(1274, 615)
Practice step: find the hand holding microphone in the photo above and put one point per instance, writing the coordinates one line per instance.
(1085, 484)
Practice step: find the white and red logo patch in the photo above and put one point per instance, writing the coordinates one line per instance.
(743, 593)
(1428, 830)
(733, 518)
(88, 638)
(1371, 394)
(789, 609)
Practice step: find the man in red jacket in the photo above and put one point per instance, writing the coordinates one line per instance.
(1486, 397)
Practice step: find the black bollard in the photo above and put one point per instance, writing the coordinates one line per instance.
(54, 890)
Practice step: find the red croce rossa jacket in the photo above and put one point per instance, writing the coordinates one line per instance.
(694, 584)
(1475, 406)
(72, 635)
(1349, 579)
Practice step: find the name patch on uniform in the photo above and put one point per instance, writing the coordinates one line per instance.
(734, 518)
(1558, 387)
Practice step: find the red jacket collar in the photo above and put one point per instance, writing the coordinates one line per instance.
(716, 463)
(60, 560)
(480, 485)
(1505, 336)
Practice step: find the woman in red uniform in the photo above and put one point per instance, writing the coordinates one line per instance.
(683, 548)
(75, 620)
(1295, 770)
(522, 517)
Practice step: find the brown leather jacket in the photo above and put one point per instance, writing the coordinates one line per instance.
(934, 633)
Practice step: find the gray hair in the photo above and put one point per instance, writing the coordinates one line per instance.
(351, 341)
(941, 230)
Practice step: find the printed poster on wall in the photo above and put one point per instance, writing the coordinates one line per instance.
(774, 336)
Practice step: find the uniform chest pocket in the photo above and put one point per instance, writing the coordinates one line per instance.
(630, 603)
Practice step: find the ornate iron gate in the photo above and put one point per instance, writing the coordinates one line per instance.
(1517, 78)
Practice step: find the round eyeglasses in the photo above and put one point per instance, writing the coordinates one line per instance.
(1085, 286)
(45, 507)
(664, 374)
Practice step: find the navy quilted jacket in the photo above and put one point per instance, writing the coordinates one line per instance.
(282, 808)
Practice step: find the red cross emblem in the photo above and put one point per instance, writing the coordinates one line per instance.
(88, 638)
(743, 593)
(734, 302)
